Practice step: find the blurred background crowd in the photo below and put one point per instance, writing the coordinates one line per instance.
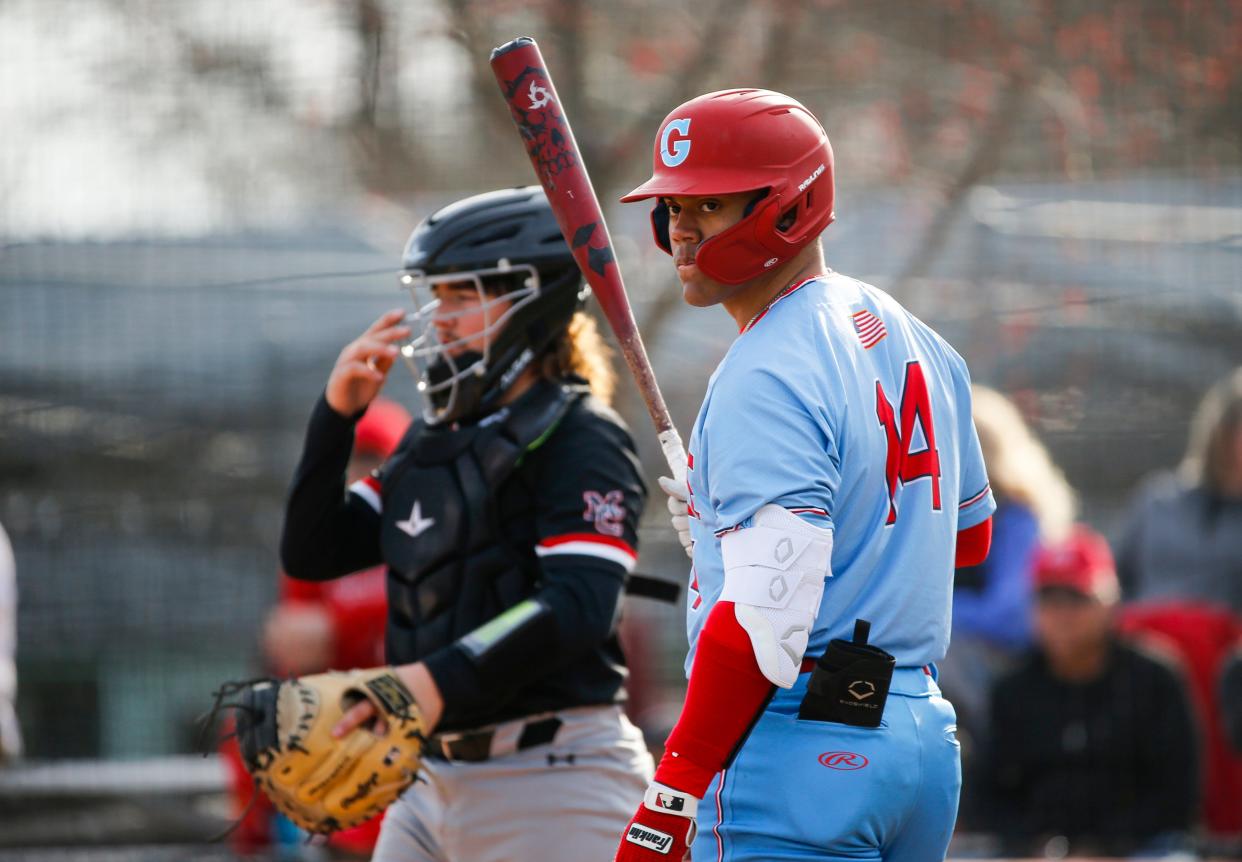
(200, 202)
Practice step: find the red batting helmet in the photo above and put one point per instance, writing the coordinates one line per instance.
(740, 141)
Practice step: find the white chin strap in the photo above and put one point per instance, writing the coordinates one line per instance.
(774, 575)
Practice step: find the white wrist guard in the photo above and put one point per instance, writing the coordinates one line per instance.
(774, 575)
(660, 797)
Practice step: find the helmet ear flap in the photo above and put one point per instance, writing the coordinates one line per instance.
(740, 253)
(659, 226)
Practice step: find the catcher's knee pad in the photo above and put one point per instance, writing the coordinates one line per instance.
(774, 575)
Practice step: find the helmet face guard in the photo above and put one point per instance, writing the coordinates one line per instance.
(448, 374)
(745, 141)
(507, 247)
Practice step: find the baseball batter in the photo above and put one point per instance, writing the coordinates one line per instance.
(834, 481)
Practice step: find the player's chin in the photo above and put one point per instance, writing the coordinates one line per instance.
(696, 288)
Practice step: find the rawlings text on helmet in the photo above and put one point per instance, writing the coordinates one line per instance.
(812, 178)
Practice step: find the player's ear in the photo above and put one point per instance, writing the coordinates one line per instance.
(660, 225)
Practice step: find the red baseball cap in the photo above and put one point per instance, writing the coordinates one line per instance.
(1082, 563)
(381, 428)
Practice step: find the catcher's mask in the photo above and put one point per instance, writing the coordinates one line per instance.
(493, 284)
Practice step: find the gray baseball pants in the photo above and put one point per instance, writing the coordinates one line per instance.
(565, 801)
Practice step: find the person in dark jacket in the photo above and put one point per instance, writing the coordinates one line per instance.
(1092, 744)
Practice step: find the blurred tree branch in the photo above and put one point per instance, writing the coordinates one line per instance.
(469, 32)
(685, 82)
(1026, 54)
(385, 157)
(981, 163)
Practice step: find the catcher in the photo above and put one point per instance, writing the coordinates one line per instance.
(507, 521)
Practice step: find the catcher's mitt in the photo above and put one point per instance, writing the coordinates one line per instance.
(323, 784)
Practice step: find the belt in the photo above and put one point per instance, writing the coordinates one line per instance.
(475, 746)
(808, 665)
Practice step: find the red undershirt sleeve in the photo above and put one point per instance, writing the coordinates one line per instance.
(724, 698)
(973, 544)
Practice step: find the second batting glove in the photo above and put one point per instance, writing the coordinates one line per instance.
(662, 829)
(678, 507)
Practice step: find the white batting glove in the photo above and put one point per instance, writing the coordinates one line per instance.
(678, 507)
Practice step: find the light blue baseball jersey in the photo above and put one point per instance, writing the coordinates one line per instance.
(846, 409)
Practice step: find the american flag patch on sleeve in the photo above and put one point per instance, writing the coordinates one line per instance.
(870, 328)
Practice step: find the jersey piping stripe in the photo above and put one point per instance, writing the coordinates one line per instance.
(719, 817)
(369, 490)
(589, 545)
(807, 510)
(976, 498)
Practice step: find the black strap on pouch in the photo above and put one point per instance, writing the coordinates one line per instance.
(849, 684)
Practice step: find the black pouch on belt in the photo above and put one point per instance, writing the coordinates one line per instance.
(850, 682)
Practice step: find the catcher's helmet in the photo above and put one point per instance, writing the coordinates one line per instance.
(508, 245)
(739, 141)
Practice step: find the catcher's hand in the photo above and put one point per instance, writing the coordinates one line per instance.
(324, 784)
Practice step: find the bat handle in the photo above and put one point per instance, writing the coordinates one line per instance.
(674, 453)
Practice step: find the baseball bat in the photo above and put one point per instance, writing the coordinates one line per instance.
(541, 121)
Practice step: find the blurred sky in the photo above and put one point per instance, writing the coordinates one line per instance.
(124, 118)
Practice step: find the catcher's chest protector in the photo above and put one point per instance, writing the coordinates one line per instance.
(457, 553)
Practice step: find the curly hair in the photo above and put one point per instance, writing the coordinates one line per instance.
(581, 350)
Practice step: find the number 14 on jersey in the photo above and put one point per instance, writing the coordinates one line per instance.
(901, 464)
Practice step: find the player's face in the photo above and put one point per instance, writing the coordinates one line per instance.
(1068, 626)
(462, 316)
(691, 221)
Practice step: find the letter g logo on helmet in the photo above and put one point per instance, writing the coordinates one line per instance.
(681, 147)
